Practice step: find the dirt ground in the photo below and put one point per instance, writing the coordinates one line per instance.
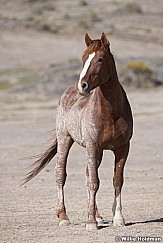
(27, 214)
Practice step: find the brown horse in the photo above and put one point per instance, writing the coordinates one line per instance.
(96, 114)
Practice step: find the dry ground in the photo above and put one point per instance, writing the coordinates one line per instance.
(28, 213)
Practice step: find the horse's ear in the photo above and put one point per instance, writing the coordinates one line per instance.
(104, 40)
(88, 40)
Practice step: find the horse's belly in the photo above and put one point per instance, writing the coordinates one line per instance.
(84, 130)
(75, 128)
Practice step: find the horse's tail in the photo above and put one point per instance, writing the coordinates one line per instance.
(42, 161)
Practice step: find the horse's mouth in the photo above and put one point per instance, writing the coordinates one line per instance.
(84, 93)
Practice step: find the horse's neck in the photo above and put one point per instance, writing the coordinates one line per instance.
(111, 90)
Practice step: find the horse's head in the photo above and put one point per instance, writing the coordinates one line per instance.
(96, 69)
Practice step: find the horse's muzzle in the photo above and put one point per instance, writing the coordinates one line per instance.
(84, 86)
(84, 89)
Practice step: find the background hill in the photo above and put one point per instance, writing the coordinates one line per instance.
(42, 42)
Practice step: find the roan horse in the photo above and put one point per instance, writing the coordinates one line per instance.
(96, 114)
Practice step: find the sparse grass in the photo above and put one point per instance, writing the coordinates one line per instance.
(10, 79)
(89, 20)
(39, 22)
(84, 24)
(5, 85)
(83, 3)
(41, 8)
(22, 85)
(28, 79)
(35, 1)
(133, 8)
(41, 16)
(94, 17)
(35, 18)
(11, 72)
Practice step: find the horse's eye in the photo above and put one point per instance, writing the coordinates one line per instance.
(100, 60)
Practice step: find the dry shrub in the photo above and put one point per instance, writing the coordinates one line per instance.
(133, 8)
(136, 74)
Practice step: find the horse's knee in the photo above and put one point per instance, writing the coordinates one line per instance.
(118, 183)
(94, 185)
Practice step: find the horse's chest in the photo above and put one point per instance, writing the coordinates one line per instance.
(84, 128)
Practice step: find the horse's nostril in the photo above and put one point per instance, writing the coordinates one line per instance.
(84, 86)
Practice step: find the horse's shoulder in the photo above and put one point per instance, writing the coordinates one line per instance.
(69, 97)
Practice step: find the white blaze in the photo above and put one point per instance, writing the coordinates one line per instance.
(84, 70)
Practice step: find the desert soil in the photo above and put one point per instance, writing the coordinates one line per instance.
(27, 214)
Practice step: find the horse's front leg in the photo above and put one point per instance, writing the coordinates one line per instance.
(63, 148)
(99, 219)
(93, 186)
(120, 159)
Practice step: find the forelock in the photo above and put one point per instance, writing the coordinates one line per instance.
(93, 47)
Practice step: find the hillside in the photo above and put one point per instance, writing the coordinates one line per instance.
(42, 42)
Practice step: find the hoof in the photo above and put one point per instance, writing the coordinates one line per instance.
(91, 226)
(100, 221)
(64, 223)
(118, 222)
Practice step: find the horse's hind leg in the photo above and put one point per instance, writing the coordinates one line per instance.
(120, 159)
(64, 145)
(99, 219)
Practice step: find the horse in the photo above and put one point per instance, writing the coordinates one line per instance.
(96, 114)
